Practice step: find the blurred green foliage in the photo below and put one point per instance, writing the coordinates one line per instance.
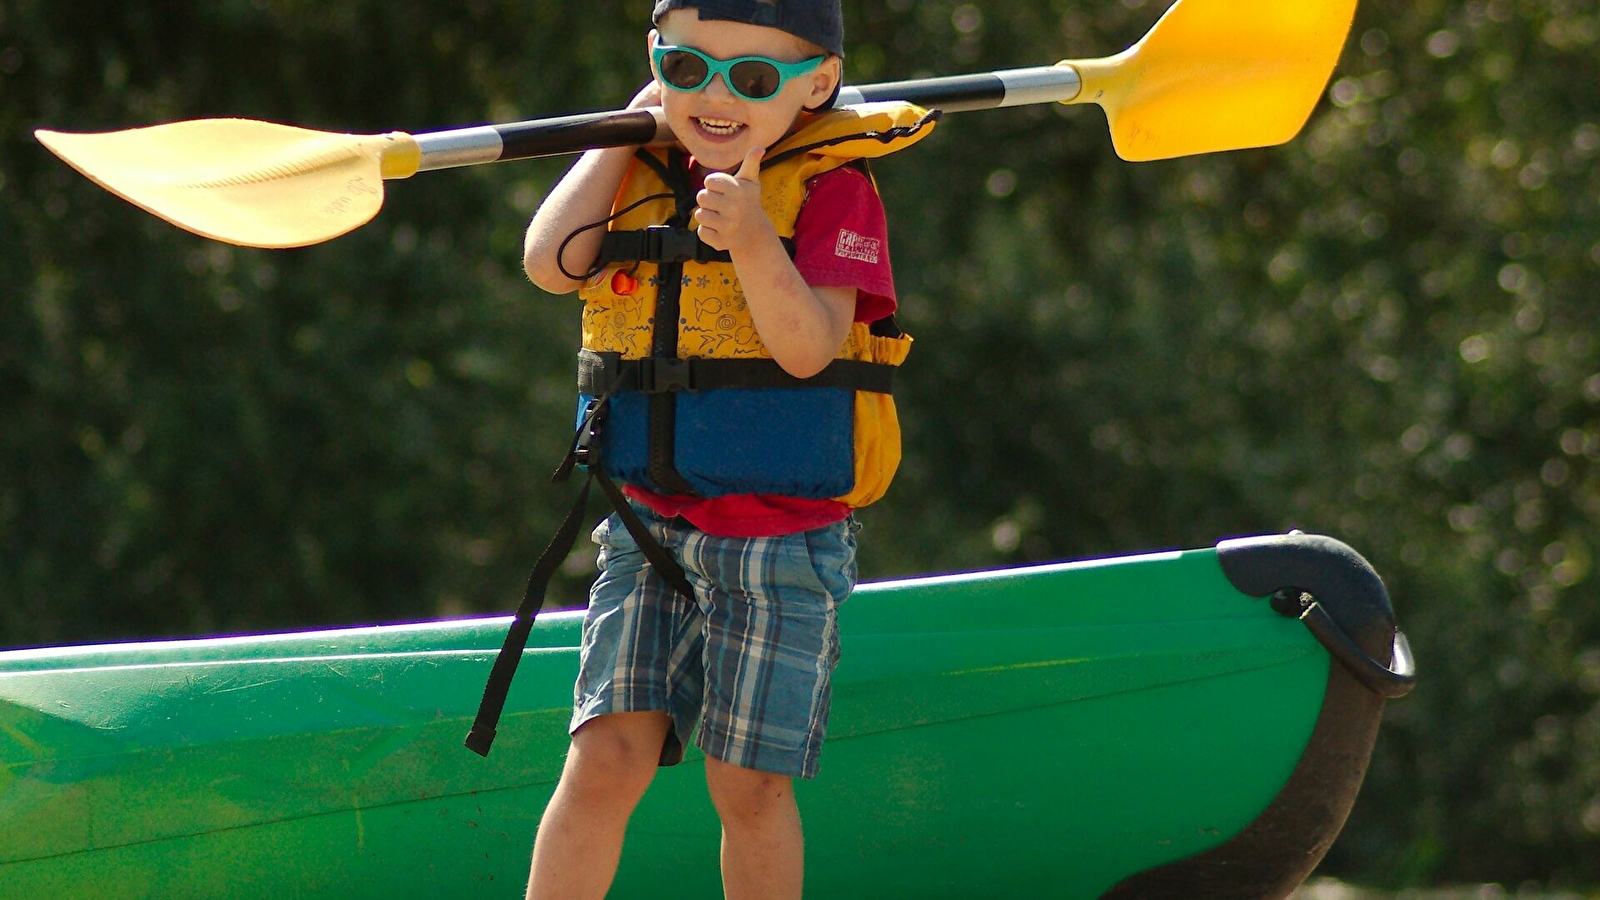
(1383, 331)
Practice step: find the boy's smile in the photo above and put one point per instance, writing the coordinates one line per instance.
(717, 126)
(720, 127)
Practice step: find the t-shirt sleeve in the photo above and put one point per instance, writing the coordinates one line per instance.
(841, 239)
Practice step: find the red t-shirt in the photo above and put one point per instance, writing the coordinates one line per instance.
(841, 239)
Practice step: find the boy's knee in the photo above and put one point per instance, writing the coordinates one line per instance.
(742, 794)
(616, 753)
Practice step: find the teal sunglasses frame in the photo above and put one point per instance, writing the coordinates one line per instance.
(724, 67)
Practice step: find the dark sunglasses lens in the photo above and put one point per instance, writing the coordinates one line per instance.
(683, 70)
(756, 80)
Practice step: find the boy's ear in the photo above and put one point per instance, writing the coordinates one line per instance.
(650, 58)
(825, 83)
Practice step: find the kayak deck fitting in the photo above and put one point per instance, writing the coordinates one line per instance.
(1190, 725)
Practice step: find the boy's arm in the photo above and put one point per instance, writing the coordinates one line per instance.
(803, 327)
(582, 197)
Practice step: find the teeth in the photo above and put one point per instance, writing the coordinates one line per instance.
(720, 126)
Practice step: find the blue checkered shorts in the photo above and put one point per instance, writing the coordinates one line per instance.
(749, 661)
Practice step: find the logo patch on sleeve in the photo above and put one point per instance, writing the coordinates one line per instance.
(855, 246)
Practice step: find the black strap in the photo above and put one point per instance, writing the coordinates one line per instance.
(664, 244)
(585, 448)
(661, 421)
(661, 424)
(654, 553)
(505, 663)
(658, 243)
(599, 373)
(674, 173)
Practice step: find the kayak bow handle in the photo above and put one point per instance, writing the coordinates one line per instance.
(1385, 681)
(1336, 593)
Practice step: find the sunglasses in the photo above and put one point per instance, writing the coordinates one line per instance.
(751, 77)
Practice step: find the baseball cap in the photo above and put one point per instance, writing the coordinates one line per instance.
(819, 21)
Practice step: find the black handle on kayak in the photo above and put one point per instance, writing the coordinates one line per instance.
(1335, 592)
(1394, 680)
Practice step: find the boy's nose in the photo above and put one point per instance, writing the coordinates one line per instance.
(719, 89)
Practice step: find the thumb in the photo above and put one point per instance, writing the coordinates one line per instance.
(750, 169)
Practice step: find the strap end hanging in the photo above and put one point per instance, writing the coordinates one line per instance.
(480, 739)
(498, 686)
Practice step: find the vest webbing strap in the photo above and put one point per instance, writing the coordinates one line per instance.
(493, 703)
(658, 243)
(599, 373)
(585, 449)
(664, 244)
(661, 423)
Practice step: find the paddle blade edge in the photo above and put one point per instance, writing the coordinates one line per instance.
(1215, 77)
(240, 181)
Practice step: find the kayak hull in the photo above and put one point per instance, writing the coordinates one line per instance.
(1128, 728)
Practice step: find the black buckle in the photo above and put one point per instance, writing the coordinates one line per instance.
(658, 374)
(586, 449)
(666, 243)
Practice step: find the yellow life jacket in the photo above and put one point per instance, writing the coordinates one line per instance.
(701, 408)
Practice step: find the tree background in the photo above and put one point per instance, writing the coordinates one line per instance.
(1383, 331)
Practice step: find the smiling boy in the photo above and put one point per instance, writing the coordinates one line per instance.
(737, 355)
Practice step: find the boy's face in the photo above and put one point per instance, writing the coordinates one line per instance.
(718, 126)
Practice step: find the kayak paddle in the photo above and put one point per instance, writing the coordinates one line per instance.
(1211, 75)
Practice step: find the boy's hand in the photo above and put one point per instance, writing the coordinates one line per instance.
(648, 96)
(731, 217)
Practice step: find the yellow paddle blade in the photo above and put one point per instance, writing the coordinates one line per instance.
(257, 184)
(1218, 76)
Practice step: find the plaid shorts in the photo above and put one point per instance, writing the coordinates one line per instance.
(749, 661)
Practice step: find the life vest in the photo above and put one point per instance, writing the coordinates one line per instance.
(702, 408)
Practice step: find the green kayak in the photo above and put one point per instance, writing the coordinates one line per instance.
(1173, 726)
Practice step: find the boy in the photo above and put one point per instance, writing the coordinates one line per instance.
(743, 437)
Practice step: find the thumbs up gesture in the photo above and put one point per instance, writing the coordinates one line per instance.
(730, 206)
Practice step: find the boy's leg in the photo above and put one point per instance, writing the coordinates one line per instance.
(612, 761)
(771, 646)
(763, 851)
(634, 633)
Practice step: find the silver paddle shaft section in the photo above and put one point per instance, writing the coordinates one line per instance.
(631, 128)
(460, 147)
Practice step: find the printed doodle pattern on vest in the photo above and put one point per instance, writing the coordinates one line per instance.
(719, 325)
(620, 323)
